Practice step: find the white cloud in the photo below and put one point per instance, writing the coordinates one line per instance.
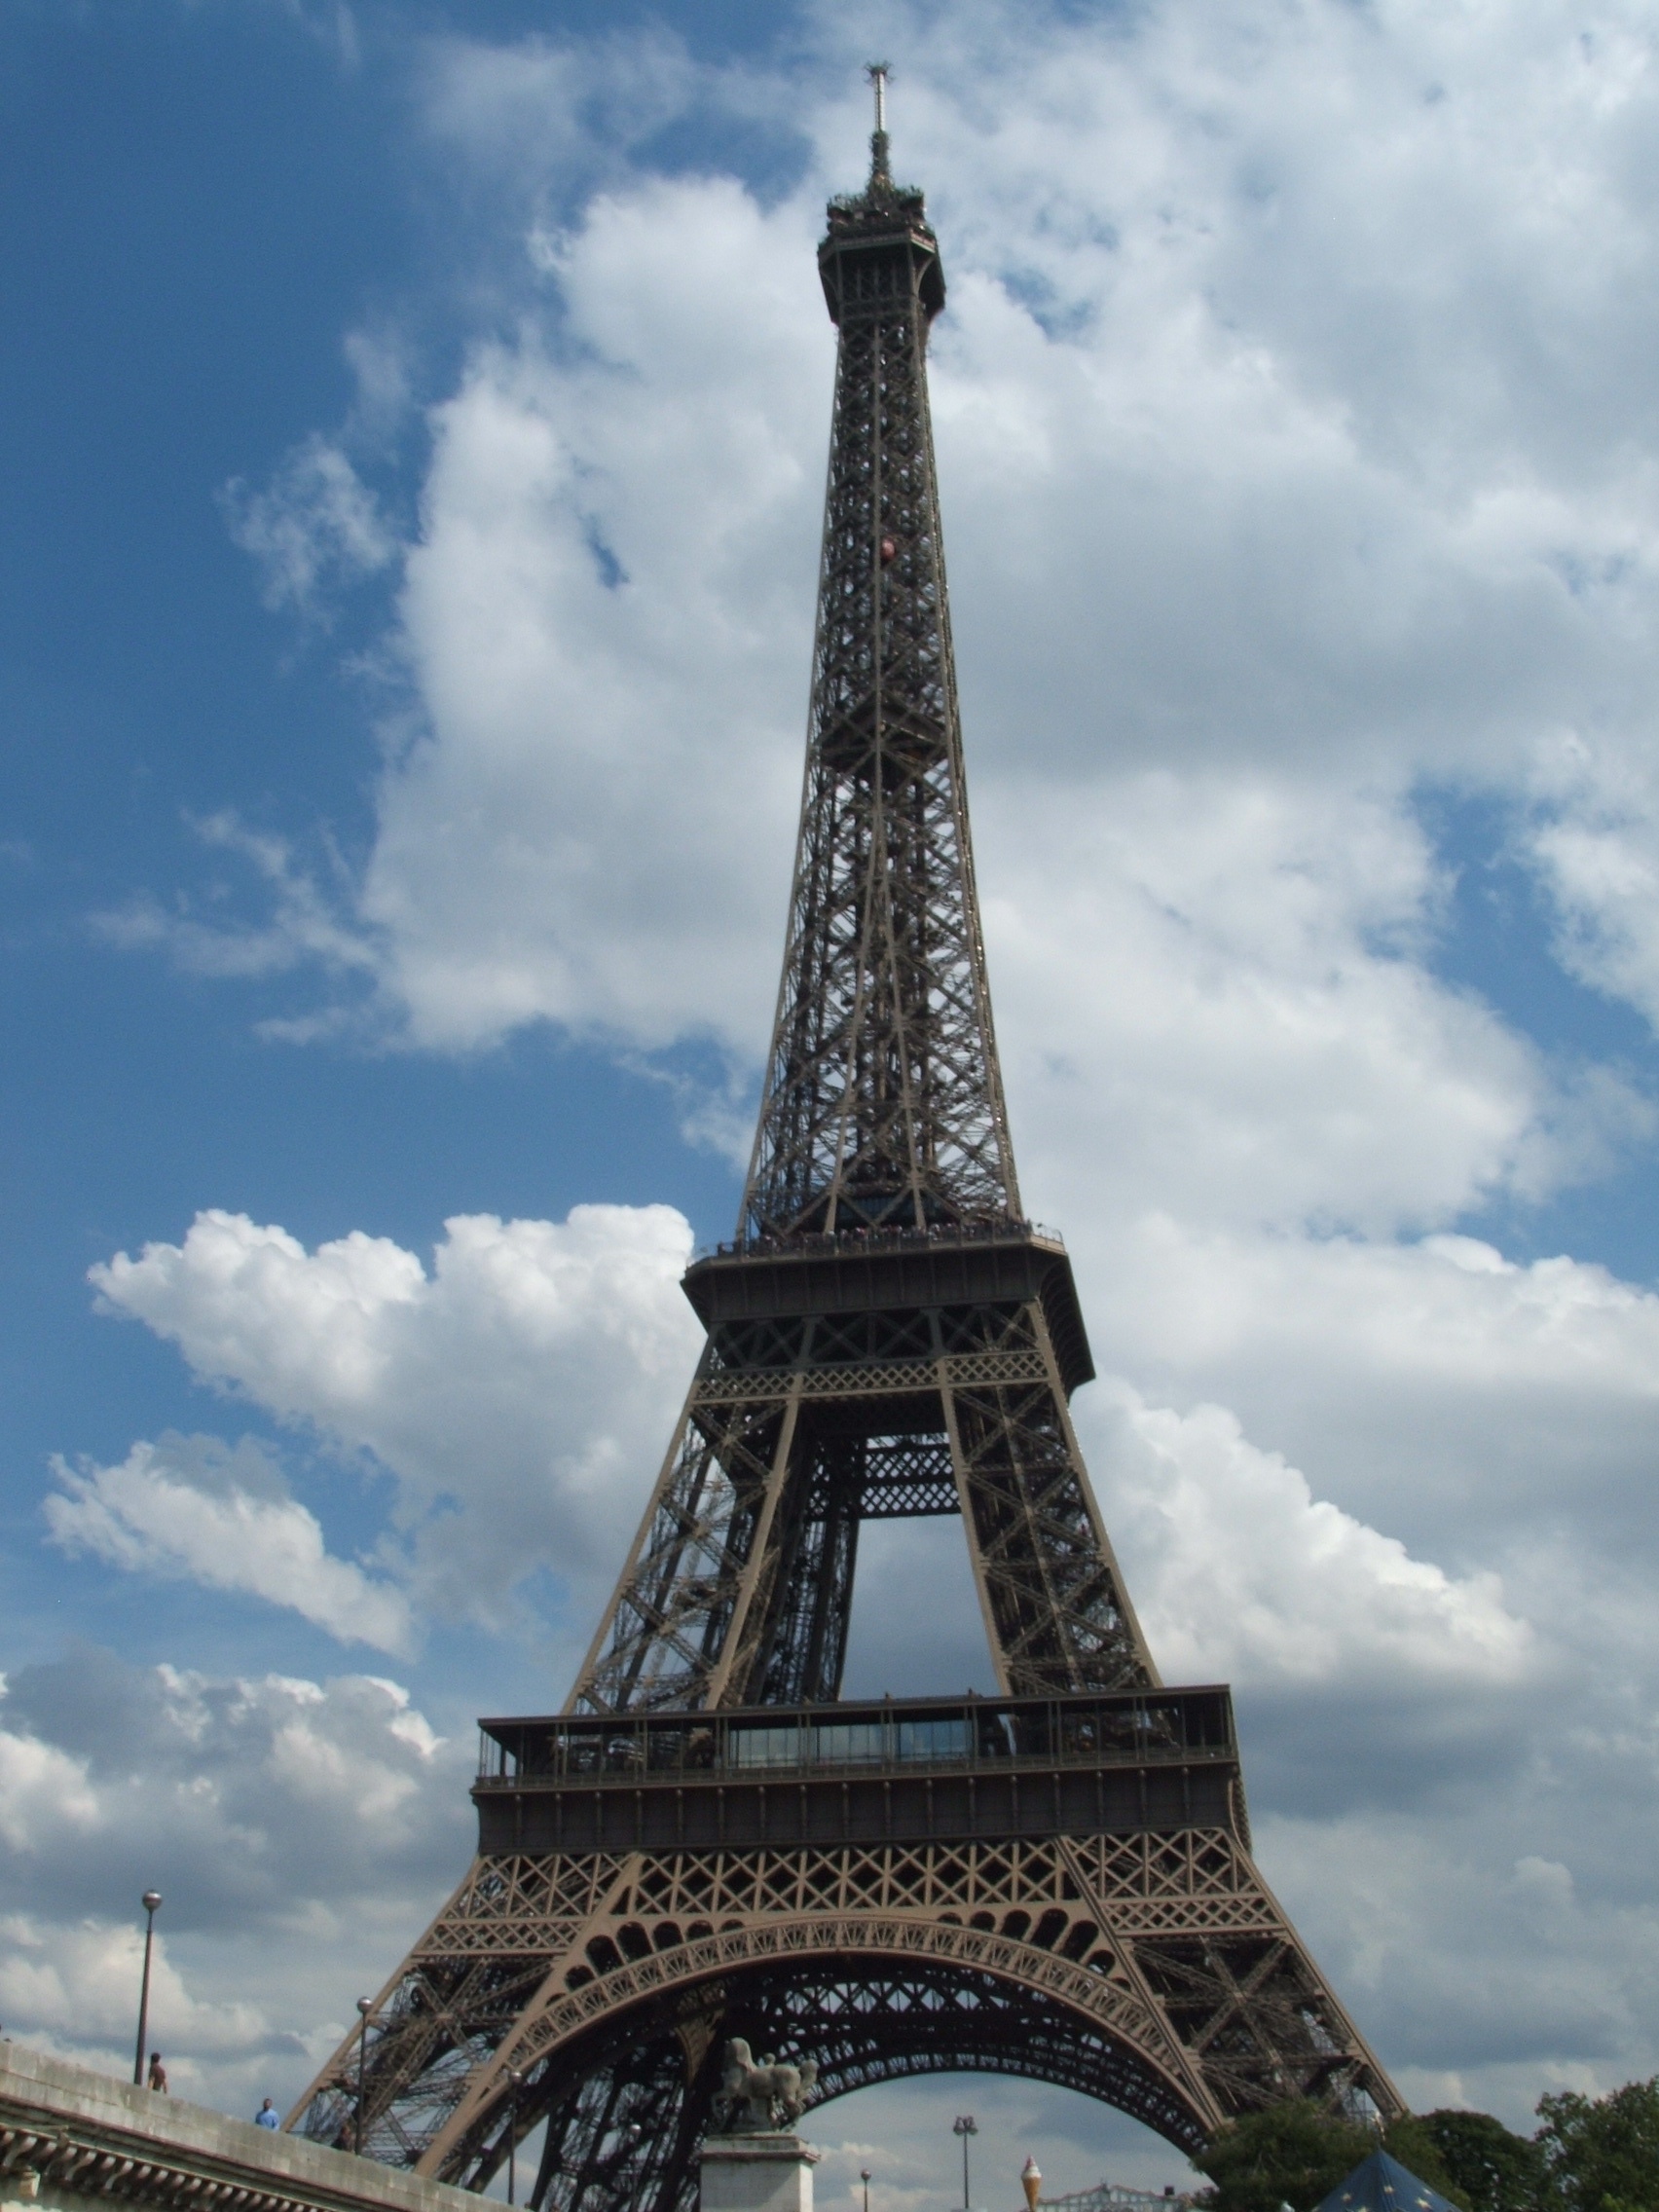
(42, 1791)
(1237, 1027)
(608, 619)
(304, 926)
(1256, 469)
(320, 1782)
(1494, 1972)
(1593, 834)
(1245, 1577)
(301, 1833)
(313, 526)
(1434, 1389)
(1193, 517)
(75, 1983)
(521, 1393)
(190, 1506)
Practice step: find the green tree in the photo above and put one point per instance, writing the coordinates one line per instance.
(1494, 2170)
(1291, 2154)
(1601, 2154)
(1417, 2145)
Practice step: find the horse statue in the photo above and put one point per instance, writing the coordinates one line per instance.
(756, 2099)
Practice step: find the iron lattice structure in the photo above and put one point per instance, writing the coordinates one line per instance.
(1056, 1882)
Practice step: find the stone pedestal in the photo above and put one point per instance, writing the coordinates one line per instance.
(757, 2173)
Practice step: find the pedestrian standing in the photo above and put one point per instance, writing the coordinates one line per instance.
(266, 2116)
(158, 2074)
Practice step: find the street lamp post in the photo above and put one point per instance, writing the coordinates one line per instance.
(964, 2126)
(864, 2176)
(517, 2081)
(150, 1900)
(365, 2006)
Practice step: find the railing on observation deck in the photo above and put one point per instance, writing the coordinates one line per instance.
(938, 1237)
(974, 1736)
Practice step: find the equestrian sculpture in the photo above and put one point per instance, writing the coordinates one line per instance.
(755, 2100)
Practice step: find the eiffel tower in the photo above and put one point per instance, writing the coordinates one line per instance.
(1054, 1881)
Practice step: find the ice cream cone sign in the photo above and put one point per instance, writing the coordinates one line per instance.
(1031, 2181)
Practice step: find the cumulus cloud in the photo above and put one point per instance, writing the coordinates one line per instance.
(608, 619)
(1255, 461)
(1488, 1967)
(1593, 834)
(192, 1506)
(75, 1985)
(105, 1763)
(43, 1791)
(1458, 1399)
(1245, 1576)
(1237, 1024)
(522, 1392)
(301, 1833)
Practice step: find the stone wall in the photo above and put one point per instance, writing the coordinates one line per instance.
(72, 2140)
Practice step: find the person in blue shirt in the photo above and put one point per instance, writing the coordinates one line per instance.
(267, 2115)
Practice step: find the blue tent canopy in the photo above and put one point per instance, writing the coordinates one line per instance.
(1380, 2184)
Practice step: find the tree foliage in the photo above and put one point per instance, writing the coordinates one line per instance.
(1591, 2155)
(1601, 2154)
(1289, 2154)
(1495, 2170)
(1417, 2145)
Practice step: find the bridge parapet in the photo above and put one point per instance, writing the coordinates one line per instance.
(71, 2140)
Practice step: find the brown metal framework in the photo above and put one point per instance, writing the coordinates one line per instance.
(1056, 1882)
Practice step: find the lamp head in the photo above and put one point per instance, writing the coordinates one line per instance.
(365, 2006)
(150, 1900)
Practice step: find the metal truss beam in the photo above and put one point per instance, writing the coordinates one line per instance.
(1159, 1961)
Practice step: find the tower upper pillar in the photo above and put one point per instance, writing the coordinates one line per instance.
(883, 1107)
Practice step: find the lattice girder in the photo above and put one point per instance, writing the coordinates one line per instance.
(883, 1096)
(739, 1590)
(1166, 1952)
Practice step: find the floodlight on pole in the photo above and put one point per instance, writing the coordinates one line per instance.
(964, 2126)
(150, 1901)
(365, 2006)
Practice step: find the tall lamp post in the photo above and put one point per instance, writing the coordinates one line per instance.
(517, 2081)
(964, 2126)
(150, 1900)
(864, 2176)
(365, 2006)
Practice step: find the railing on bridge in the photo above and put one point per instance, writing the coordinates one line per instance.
(1113, 2196)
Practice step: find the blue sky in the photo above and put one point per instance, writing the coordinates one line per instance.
(415, 422)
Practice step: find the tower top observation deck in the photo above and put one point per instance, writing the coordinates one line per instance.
(879, 231)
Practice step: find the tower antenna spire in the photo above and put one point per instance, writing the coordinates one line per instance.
(878, 73)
